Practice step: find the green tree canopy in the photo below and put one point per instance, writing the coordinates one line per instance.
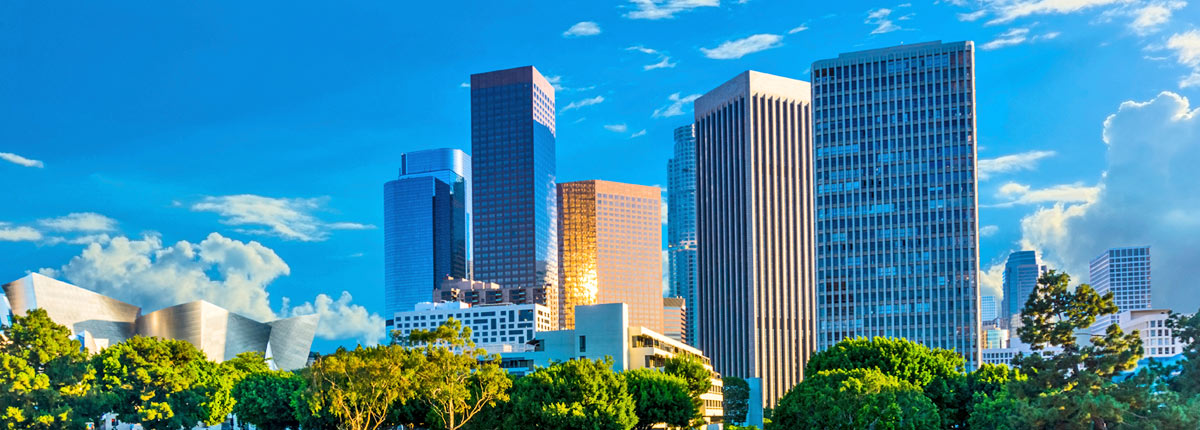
(659, 398)
(736, 392)
(910, 361)
(360, 387)
(163, 384)
(265, 399)
(43, 374)
(457, 379)
(578, 394)
(854, 399)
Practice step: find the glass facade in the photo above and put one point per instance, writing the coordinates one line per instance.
(426, 226)
(512, 144)
(610, 243)
(987, 308)
(1125, 272)
(1021, 273)
(681, 226)
(897, 241)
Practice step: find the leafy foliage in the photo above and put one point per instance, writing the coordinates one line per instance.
(43, 374)
(660, 398)
(573, 395)
(457, 379)
(855, 399)
(266, 399)
(360, 387)
(736, 403)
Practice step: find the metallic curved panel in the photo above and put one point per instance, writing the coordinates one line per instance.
(219, 333)
(79, 309)
(291, 340)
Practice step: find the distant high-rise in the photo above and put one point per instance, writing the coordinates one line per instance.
(426, 226)
(674, 318)
(681, 225)
(1021, 274)
(610, 244)
(1126, 273)
(897, 235)
(754, 212)
(987, 308)
(512, 147)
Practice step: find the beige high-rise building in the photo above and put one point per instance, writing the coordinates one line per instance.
(754, 216)
(610, 249)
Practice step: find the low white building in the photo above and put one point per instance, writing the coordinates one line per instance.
(495, 328)
(1151, 325)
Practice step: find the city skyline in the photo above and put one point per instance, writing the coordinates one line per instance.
(282, 159)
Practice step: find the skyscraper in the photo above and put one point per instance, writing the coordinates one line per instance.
(1021, 273)
(1126, 273)
(987, 308)
(896, 196)
(754, 212)
(512, 145)
(426, 226)
(610, 244)
(681, 225)
(674, 321)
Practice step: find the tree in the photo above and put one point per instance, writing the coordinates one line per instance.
(44, 374)
(698, 378)
(457, 379)
(578, 394)
(265, 399)
(163, 384)
(659, 398)
(360, 387)
(1186, 328)
(855, 399)
(736, 403)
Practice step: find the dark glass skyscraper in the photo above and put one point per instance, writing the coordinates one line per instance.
(897, 238)
(512, 147)
(681, 226)
(426, 226)
(1021, 273)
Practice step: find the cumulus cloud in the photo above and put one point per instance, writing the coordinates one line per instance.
(582, 28)
(19, 160)
(1016, 36)
(675, 107)
(1186, 47)
(288, 218)
(1147, 196)
(81, 221)
(880, 19)
(1011, 163)
(581, 103)
(663, 9)
(664, 61)
(734, 49)
(227, 272)
(616, 128)
(347, 320)
(11, 233)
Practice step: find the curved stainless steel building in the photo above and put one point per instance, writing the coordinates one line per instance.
(221, 334)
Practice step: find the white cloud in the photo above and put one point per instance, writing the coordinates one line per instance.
(734, 49)
(1008, 11)
(1148, 18)
(227, 272)
(662, 9)
(1011, 163)
(582, 28)
(795, 30)
(1020, 194)
(664, 61)
(11, 233)
(616, 128)
(988, 230)
(581, 103)
(83, 221)
(465, 85)
(675, 108)
(347, 320)
(287, 218)
(17, 159)
(1187, 51)
(879, 19)
(638, 134)
(1016, 36)
(972, 16)
(1147, 196)
(991, 281)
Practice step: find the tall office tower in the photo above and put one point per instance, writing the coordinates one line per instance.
(1021, 273)
(987, 308)
(1126, 273)
(754, 217)
(426, 226)
(896, 196)
(610, 244)
(674, 318)
(512, 147)
(681, 225)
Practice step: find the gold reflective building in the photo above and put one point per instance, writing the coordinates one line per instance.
(610, 250)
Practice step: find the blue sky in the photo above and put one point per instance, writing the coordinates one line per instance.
(236, 151)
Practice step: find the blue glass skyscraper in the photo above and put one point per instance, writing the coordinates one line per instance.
(897, 237)
(512, 147)
(1021, 273)
(426, 226)
(681, 226)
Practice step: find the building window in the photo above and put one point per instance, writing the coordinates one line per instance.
(582, 343)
